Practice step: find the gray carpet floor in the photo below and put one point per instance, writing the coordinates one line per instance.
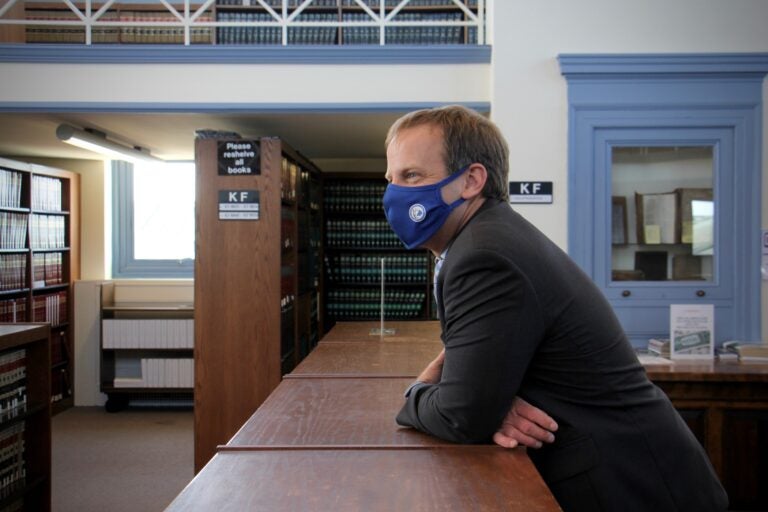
(133, 461)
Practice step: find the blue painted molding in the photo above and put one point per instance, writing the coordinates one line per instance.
(222, 108)
(242, 54)
(574, 66)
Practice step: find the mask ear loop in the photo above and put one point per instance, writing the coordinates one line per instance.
(453, 178)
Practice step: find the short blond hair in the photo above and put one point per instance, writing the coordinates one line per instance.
(468, 138)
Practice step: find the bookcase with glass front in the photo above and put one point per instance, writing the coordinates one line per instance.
(39, 259)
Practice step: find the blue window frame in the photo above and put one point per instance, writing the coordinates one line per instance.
(125, 263)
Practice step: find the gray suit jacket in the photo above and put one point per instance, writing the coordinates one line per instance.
(520, 318)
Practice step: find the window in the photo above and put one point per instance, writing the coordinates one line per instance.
(154, 219)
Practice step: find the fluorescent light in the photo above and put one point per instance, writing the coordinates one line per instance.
(100, 144)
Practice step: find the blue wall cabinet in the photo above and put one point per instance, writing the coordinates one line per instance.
(627, 114)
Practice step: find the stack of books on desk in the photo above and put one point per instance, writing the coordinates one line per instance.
(659, 347)
(748, 352)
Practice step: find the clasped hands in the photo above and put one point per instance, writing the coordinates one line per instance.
(524, 424)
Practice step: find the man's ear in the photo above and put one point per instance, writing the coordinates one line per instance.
(477, 175)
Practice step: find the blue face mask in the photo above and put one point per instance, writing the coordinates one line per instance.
(417, 213)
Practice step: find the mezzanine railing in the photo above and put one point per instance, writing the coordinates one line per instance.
(253, 22)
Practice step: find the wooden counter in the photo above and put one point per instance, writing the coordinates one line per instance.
(311, 412)
(400, 359)
(726, 406)
(460, 478)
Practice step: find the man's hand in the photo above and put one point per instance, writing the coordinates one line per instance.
(434, 370)
(525, 425)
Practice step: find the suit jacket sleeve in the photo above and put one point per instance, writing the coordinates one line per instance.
(492, 326)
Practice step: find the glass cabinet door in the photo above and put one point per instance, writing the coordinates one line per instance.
(664, 199)
(662, 213)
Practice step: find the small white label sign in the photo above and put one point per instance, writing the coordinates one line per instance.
(238, 205)
(526, 192)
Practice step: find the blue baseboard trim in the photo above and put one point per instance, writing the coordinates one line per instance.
(243, 54)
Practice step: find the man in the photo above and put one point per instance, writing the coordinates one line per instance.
(519, 318)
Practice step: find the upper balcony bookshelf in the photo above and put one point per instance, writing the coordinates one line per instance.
(245, 22)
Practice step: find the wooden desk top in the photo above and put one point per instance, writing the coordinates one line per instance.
(462, 478)
(714, 371)
(392, 359)
(426, 331)
(350, 412)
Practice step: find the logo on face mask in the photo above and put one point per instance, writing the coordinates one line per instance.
(417, 212)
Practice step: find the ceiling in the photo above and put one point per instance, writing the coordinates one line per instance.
(338, 135)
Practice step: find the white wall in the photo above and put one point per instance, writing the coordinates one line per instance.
(221, 84)
(529, 96)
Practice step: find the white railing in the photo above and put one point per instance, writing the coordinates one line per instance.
(387, 21)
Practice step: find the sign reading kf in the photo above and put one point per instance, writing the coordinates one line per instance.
(530, 192)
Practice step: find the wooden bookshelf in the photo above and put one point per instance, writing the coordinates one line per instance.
(257, 278)
(28, 424)
(146, 352)
(358, 237)
(40, 259)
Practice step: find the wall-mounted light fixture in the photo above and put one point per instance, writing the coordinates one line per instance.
(98, 142)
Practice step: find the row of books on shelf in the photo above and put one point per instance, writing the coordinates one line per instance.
(148, 333)
(294, 180)
(48, 231)
(13, 230)
(13, 383)
(51, 308)
(361, 233)
(12, 460)
(47, 268)
(10, 189)
(155, 373)
(745, 352)
(348, 3)
(274, 34)
(132, 32)
(357, 268)
(13, 271)
(729, 351)
(46, 193)
(61, 386)
(432, 34)
(354, 197)
(13, 310)
(286, 303)
(353, 303)
(59, 347)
